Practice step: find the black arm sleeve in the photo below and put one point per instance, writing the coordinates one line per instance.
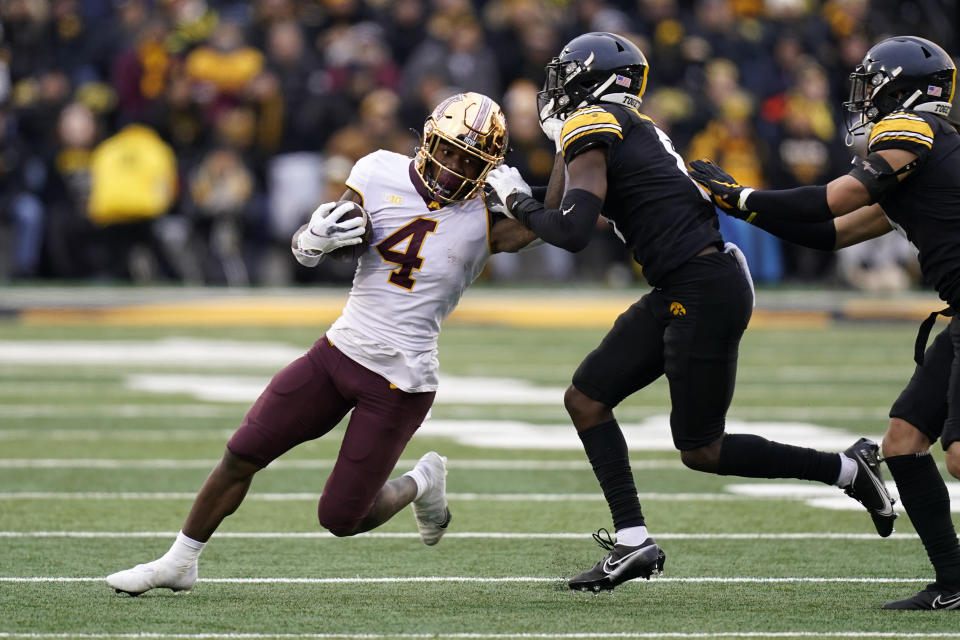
(803, 204)
(569, 227)
(816, 235)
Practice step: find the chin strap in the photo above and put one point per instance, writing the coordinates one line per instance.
(913, 98)
(597, 93)
(921, 343)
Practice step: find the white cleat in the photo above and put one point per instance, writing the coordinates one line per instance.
(430, 509)
(164, 574)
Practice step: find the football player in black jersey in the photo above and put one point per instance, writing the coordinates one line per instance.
(908, 181)
(620, 164)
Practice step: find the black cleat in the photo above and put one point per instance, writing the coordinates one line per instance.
(867, 487)
(935, 596)
(621, 564)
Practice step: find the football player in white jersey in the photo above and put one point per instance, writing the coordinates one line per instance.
(432, 234)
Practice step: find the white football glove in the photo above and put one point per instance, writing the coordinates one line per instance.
(493, 202)
(306, 258)
(506, 181)
(325, 233)
(552, 127)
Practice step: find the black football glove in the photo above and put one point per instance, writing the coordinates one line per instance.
(727, 193)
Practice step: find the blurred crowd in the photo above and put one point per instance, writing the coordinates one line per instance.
(185, 140)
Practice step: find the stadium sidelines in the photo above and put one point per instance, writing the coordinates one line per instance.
(539, 308)
(528, 314)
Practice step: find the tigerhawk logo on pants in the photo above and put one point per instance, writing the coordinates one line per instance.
(677, 309)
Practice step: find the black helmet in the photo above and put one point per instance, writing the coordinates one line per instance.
(593, 67)
(899, 73)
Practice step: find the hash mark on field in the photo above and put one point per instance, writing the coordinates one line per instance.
(465, 535)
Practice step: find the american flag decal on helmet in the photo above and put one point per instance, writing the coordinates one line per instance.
(933, 90)
(623, 81)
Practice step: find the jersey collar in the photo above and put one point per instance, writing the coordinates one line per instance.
(428, 200)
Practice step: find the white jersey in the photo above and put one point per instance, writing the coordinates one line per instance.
(418, 265)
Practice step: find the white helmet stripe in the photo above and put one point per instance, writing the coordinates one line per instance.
(485, 106)
(446, 103)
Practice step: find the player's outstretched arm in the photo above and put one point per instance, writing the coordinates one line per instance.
(508, 235)
(570, 226)
(837, 215)
(860, 225)
(869, 180)
(828, 235)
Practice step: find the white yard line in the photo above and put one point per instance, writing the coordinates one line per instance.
(300, 497)
(111, 410)
(464, 535)
(480, 579)
(647, 635)
(116, 435)
(137, 410)
(454, 463)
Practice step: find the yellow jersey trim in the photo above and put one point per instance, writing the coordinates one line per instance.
(902, 127)
(357, 191)
(587, 121)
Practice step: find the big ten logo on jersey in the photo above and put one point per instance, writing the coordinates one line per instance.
(391, 198)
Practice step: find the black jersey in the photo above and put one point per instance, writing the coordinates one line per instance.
(653, 204)
(926, 205)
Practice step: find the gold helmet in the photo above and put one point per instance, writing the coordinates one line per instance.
(463, 139)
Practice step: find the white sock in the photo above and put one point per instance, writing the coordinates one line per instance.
(417, 475)
(185, 550)
(632, 536)
(848, 471)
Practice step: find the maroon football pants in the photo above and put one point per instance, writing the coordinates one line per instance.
(307, 399)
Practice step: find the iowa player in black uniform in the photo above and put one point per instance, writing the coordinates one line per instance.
(688, 327)
(908, 181)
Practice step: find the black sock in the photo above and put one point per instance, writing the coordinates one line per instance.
(925, 499)
(750, 456)
(607, 451)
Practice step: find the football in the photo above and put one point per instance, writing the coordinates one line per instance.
(353, 252)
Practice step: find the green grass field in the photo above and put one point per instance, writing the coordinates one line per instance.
(105, 436)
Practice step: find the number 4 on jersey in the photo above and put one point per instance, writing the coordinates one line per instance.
(409, 258)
